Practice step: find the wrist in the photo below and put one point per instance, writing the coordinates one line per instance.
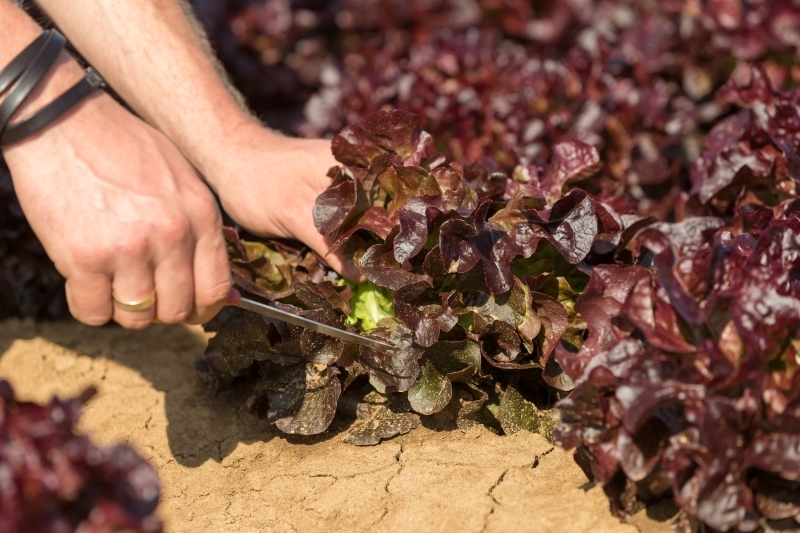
(242, 138)
(63, 74)
(68, 128)
(18, 31)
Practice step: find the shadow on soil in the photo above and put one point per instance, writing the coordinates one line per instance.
(200, 427)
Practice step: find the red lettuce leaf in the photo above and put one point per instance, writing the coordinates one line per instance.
(59, 480)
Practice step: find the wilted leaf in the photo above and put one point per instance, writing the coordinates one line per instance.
(452, 358)
(481, 408)
(317, 347)
(382, 418)
(517, 413)
(264, 271)
(303, 399)
(243, 338)
(213, 368)
(398, 367)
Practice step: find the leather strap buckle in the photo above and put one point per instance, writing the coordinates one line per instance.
(95, 79)
(43, 53)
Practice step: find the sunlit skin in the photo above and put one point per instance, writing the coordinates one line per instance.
(117, 200)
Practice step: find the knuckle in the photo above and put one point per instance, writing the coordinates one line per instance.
(208, 213)
(86, 256)
(132, 245)
(173, 228)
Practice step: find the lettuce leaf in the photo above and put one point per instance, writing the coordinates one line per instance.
(57, 479)
(369, 304)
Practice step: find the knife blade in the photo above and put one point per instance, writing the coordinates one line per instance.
(297, 320)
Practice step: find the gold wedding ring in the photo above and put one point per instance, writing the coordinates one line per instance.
(135, 306)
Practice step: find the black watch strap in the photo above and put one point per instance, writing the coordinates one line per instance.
(28, 81)
(55, 109)
(17, 67)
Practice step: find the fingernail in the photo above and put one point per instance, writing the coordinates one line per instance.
(233, 297)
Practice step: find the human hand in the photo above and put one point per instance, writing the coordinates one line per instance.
(117, 207)
(270, 183)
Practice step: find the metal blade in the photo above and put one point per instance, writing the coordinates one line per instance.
(296, 320)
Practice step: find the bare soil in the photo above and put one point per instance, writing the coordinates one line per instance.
(224, 470)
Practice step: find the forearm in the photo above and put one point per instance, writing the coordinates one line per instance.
(17, 30)
(149, 52)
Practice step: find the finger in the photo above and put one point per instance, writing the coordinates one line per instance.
(175, 287)
(89, 298)
(133, 283)
(336, 260)
(346, 267)
(212, 277)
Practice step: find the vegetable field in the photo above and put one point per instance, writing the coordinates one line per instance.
(577, 219)
(222, 469)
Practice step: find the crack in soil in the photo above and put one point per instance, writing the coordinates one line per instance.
(538, 458)
(495, 503)
(499, 481)
(439, 462)
(399, 459)
(381, 517)
(331, 476)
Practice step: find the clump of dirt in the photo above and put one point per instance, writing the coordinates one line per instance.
(224, 470)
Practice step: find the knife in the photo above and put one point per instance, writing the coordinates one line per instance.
(312, 325)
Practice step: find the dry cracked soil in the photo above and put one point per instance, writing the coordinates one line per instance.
(224, 470)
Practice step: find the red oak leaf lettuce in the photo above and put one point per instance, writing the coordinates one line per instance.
(688, 379)
(55, 479)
